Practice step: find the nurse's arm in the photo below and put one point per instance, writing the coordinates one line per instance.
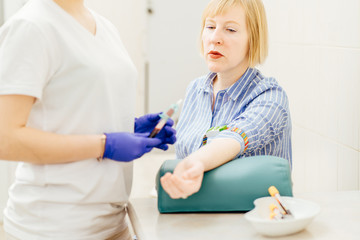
(21, 143)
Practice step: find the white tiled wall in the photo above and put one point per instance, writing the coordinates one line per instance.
(315, 55)
(348, 170)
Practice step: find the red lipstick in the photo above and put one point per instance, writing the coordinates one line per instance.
(215, 55)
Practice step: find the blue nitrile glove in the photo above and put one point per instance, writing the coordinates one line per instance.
(125, 147)
(167, 135)
(146, 123)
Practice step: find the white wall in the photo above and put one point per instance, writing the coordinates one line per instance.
(315, 55)
(173, 50)
(2, 17)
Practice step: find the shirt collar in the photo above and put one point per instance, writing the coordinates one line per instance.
(235, 90)
(208, 83)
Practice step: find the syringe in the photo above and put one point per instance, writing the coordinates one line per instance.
(164, 117)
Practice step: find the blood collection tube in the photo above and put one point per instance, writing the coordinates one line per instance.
(164, 117)
(275, 212)
(275, 194)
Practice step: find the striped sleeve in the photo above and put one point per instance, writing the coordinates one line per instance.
(264, 119)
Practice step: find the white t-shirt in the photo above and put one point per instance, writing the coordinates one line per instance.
(84, 84)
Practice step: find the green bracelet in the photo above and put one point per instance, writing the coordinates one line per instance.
(214, 131)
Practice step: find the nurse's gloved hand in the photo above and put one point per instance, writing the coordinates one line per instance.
(125, 147)
(147, 123)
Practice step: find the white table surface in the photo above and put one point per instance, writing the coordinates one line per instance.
(339, 219)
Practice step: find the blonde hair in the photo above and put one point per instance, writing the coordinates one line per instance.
(255, 22)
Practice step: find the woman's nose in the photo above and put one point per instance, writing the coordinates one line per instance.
(217, 37)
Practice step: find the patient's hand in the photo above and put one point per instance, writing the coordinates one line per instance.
(186, 179)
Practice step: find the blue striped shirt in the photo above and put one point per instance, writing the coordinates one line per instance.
(255, 104)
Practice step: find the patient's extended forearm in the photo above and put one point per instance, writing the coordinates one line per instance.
(217, 152)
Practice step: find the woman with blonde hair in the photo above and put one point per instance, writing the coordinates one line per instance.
(234, 111)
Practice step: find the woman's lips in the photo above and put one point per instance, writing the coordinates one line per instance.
(215, 55)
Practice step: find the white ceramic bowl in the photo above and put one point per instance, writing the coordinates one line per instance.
(303, 211)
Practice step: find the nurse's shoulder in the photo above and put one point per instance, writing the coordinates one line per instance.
(33, 18)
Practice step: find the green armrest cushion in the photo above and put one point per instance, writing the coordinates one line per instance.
(232, 187)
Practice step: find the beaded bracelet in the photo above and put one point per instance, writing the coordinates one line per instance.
(243, 135)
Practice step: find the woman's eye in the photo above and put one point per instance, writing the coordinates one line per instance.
(231, 30)
(210, 27)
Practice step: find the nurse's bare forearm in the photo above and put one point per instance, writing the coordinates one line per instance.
(34, 146)
(217, 152)
(21, 143)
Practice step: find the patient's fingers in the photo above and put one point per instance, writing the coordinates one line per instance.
(166, 176)
(170, 187)
(176, 190)
(166, 186)
(187, 187)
